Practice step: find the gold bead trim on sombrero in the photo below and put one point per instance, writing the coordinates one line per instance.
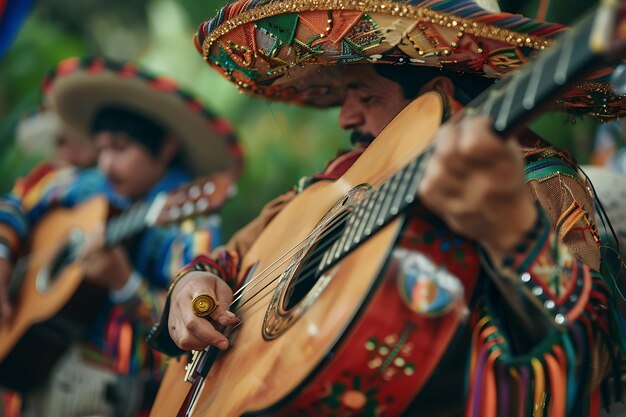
(421, 14)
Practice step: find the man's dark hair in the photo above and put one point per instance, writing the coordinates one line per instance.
(137, 126)
(412, 78)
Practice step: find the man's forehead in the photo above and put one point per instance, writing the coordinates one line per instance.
(359, 77)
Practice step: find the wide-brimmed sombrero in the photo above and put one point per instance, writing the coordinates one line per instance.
(77, 88)
(290, 50)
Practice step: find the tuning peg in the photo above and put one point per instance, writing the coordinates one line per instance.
(208, 188)
(194, 192)
(187, 209)
(202, 205)
(173, 213)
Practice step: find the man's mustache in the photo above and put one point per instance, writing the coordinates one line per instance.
(364, 138)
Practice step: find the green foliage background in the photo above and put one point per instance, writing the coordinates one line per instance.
(281, 142)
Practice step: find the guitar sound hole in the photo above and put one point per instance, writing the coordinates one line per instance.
(309, 273)
(64, 257)
(314, 266)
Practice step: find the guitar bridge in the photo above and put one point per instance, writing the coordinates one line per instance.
(192, 369)
(201, 361)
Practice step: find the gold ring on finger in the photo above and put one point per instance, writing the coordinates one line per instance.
(203, 305)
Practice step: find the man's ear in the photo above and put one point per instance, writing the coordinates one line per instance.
(442, 84)
(170, 148)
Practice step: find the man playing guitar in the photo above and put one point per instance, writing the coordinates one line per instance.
(511, 221)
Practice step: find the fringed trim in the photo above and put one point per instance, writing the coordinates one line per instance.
(549, 380)
(559, 376)
(125, 350)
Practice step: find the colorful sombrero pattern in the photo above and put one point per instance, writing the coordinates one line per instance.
(77, 88)
(286, 50)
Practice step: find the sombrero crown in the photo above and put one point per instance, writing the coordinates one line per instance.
(286, 49)
(78, 88)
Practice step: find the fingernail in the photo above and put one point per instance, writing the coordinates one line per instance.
(222, 345)
(227, 318)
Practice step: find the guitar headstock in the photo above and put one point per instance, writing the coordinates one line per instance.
(202, 196)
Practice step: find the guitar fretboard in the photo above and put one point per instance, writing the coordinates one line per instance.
(515, 98)
(127, 224)
(137, 218)
(377, 209)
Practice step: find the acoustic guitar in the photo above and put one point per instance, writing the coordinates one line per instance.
(51, 301)
(324, 330)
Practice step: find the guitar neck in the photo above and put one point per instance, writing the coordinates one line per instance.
(139, 217)
(513, 100)
(376, 210)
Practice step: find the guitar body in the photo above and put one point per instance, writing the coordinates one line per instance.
(346, 346)
(52, 305)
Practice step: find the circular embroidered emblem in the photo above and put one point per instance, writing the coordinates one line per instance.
(426, 288)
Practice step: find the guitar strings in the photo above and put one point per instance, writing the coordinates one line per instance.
(296, 247)
(258, 296)
(307, 273)
(334, 223)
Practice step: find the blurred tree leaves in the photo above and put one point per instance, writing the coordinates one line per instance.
(558, 11)
(114, 28)
(38, 46)
(201, 11)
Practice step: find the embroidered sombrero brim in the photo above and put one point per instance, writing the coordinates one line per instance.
(77, 88)
(286, 50)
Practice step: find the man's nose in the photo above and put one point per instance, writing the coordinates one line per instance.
(105, 162)
(350, 116)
